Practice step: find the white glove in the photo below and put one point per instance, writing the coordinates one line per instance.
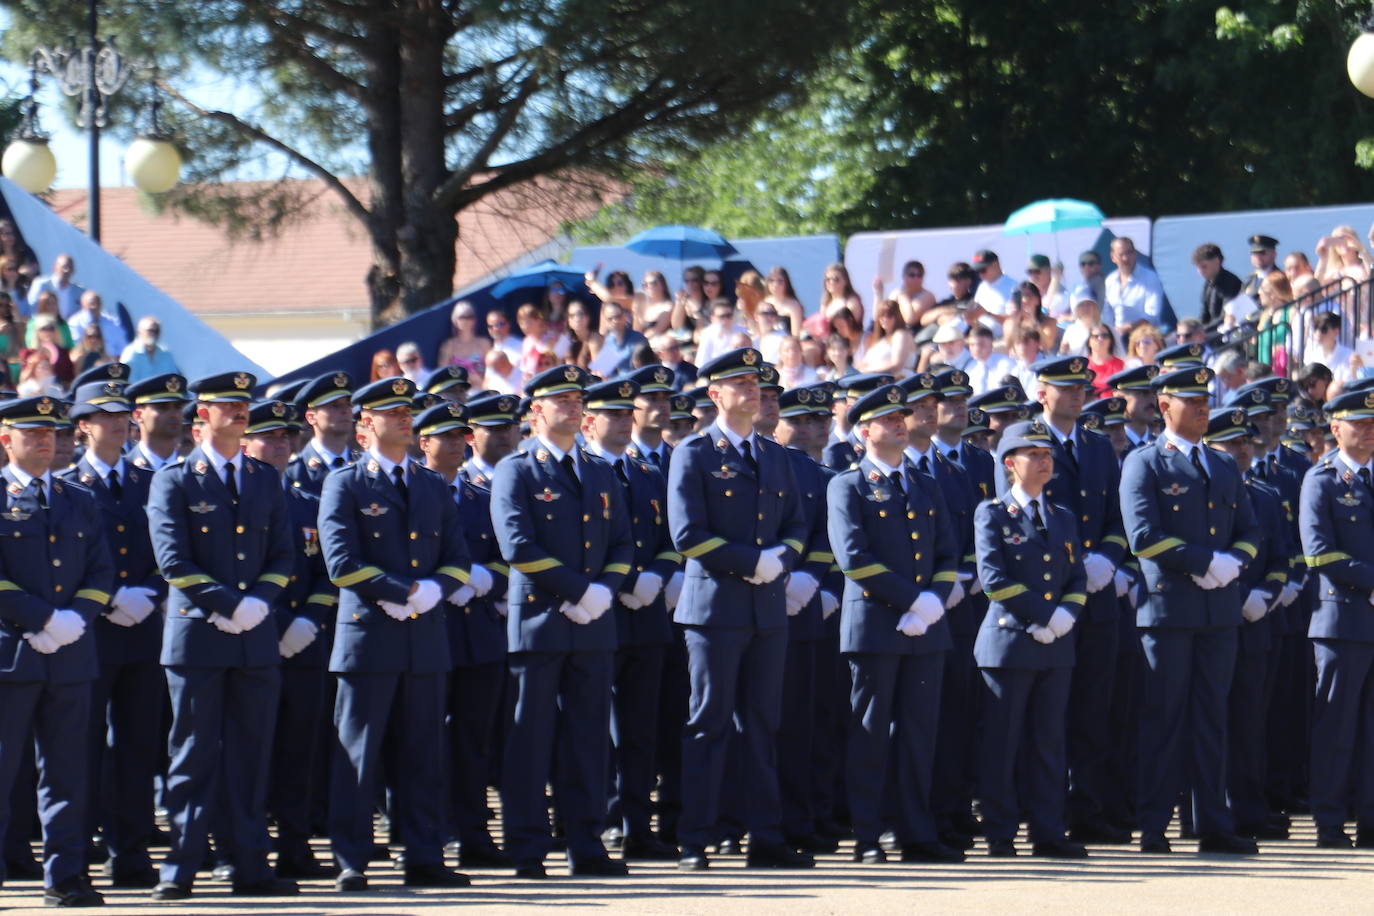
(65, 626)
(121, 618)
(1061, 622)
(1042, 635)
(462, 596)
(974, 586)
(956, 594)
(1255, 607)
(596, 600)
(673, 590)
(502, 607)
(1291, 591)
(769, 566)
(829, 604)
(395, 611)
(927, 606)
(479, 579)
(647, 586)
(802, 585)
(300, 633)
(427, 594)
(1123, 582)
(1099, 570)
(575, 612)
(225, 625)
(629, 600)
(42, 642)
(250, 612)
(1133, 596)
(135, 601)
(1207, 581)
(1225, 568)
(911, 624)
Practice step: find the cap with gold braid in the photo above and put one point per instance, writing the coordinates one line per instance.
(269, 416)
(100, 397)
(878, 403)
(385, 394)
(1352, 405)
(33, 413)
(1184, 383)
(615, 395)
(441, 418)
(323, 389)
(557, 380)
(158, 389)
(224, 388)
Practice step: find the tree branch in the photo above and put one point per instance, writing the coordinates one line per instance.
(445, 195)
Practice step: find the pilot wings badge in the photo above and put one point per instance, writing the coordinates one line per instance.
(202, 507)
(374, 511)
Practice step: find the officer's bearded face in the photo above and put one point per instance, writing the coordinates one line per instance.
(1355, 438)
(1241, 449)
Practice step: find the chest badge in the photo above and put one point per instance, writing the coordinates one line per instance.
(605, 505)
(202, 507)
(724, 473)
(879, 495)
(547, 496)
(1016, 540)
(310, 542)
(375, 511)
(18, 515)
(1174, 489)
(1349, 499)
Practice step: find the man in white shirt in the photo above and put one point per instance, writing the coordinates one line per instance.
(92, 313)
(60, 284)
(1133, 290)
(994, 289)
(412, 363)
(984, 368)
(718, 337)
(503, 374)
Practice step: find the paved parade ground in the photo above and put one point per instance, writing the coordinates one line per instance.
(1288, 877)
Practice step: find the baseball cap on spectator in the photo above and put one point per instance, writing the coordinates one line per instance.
(947, 333)
(1038, 262)
(983, 257)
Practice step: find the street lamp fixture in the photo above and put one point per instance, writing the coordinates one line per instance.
(1359, 63)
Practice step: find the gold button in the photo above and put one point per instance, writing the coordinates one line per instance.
(1214, 531)
(549, 517)
(184, 611)
(1083, 492)
(357, 617)
(728, 493)
(57, 588)
(914, 535)
(119, 528)
(56, 562)
(865, 594)
(920, 579)
(293, 604)
(1047, 578)
(916, 556)
(1049, 596)
(1087, 545)
(529, 597)
(123, 551)
(414, 562)
(243, 585)
(52, 539)
(758, 540)
(1047, 558)
(639, 543)
(414, 535)
(760, 516)
(123, 574)
(587, 545)
(1209, 504)
(882, 513)
(376, 534)
(910, 514)
(467, 610)
(586, 518)
(639, 569)
(1085, 518)
(238, 529)
(1175, 508)
(204, 530)
(1001, 621)
(240, 556)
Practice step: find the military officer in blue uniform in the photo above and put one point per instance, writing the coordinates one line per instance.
(1086, 481)
(222, 539)
(324, 403)
(448, 382)
(1335, 518)
(1189, 521)
(1182, 356)
(892, 538)
(1230, 430)
(1108, 417)
(560, 517)
(845, 450)
(681, 422)
(394, 547)
(477, 629)
(157, 405)
(1030, 562)
(1136, 386)
(643, 630)
(1002, 406)
(128, 695)
(735, 515)
(56, 575)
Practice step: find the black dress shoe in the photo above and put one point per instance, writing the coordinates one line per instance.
(350, 882)
(1059, 848)
(965, 822)
(869, 854)
(956, 839)
(170, 890)
(24, 869)
(612, 837)
(267, 887)
(303, 864)
(1097, 830)
(1334, 838)
(761, 856)
(693, 860)
(831, 829)
(1265, 831)
(599, 868)
(730, 846)
(72, 892)
(935, 852)
(224, 871)
(472, 855)
(380, 853)
(1155, 843)
(814, 844)
(147, 877)
(1364, 838)
(434, 876)
(1001, 849)
(1226, 844)
(532, 870)
(648, 848)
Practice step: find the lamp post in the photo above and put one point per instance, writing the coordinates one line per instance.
(93, 73)
(1359, 63)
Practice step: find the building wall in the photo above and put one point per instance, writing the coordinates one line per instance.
(281, 341)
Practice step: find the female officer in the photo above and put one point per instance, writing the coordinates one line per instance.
(1035, 584)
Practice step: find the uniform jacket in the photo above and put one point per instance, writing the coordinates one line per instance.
(477, 633)
(308, 468)
(1026, 576)
(310, 594)
(812, 480)
(890, 552)
(722, 515)
(1174, 521)
(1336, 518)
(53, 560)
(646, 498)
(557, 542)
(213, 553)
(843, 454)
(125, 528)
(377, 544)
(1090, 488)
(1269, 570)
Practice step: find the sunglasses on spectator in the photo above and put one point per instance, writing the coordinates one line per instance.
(914, 275)
(1035, 270)
(1100, 336)
(468, 316)
(1088, 263)
(498, 323)
(711, 282)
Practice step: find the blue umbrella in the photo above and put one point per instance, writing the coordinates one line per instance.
(538, 276)
(681, 243)
(1052, 216)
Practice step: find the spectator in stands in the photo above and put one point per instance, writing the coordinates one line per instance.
(1026, 352)
(956, 307)
(718, 336)
(1143, 343)
(1133, 290)
(384, 365)
(583, 339)
(1276, 331)
(15, 248)
(792, 369)
(1300, 276)
(1102, 358)
(813, 352)
(612, 357)
(668, 350)
(502, 374)
(784, 299)
(60, 284)
(911, 294)
(539, 338)
(1090, 269)
(465, 347)
(47, 306)
(1341, 255)
(11, 336)
(653, 306)
(946, 349)
(994, 291)
(618, 289)
(1028, 311)
(93, 312)
(412, 362)
(1049, 280)
(37, 376)
(845, 326)
(1087, 314)
(838, 358)
(986, 367)
(498, 327)
(47, 339)
(1219, 285)
(90, 351)
(1326, 348)
(554, 305)
(766, 331)
(751, 294)
(15, 284)
(887, 347)
(837, 295)
(1230, 368)
(692, 305)
(146, 357)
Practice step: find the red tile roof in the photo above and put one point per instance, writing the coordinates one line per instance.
(319, 262)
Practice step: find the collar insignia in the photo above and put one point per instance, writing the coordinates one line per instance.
(373, 467)
(201, 467)
(314, 463)
(541, 455)
(874, 476)
(1013, 508)
(88, 478)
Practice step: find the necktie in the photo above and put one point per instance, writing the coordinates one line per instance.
(1036, 518)
(337, 462)
(896, 478)
(923, 465)
(748, 456)
(570, 467)
(42, 492)
(1068, 447)
(620, 472)
(954, 455)
(1258, 468)
(231, 483)
(1197, 463)
(112, 481)
(453, 491)
(656, 459)
(398, 477)
(1364, 476)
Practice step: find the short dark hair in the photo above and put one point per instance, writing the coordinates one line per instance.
(1207, 251)
(1327, 321)
(1312, 372)
(960, 270)
(980, 330)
